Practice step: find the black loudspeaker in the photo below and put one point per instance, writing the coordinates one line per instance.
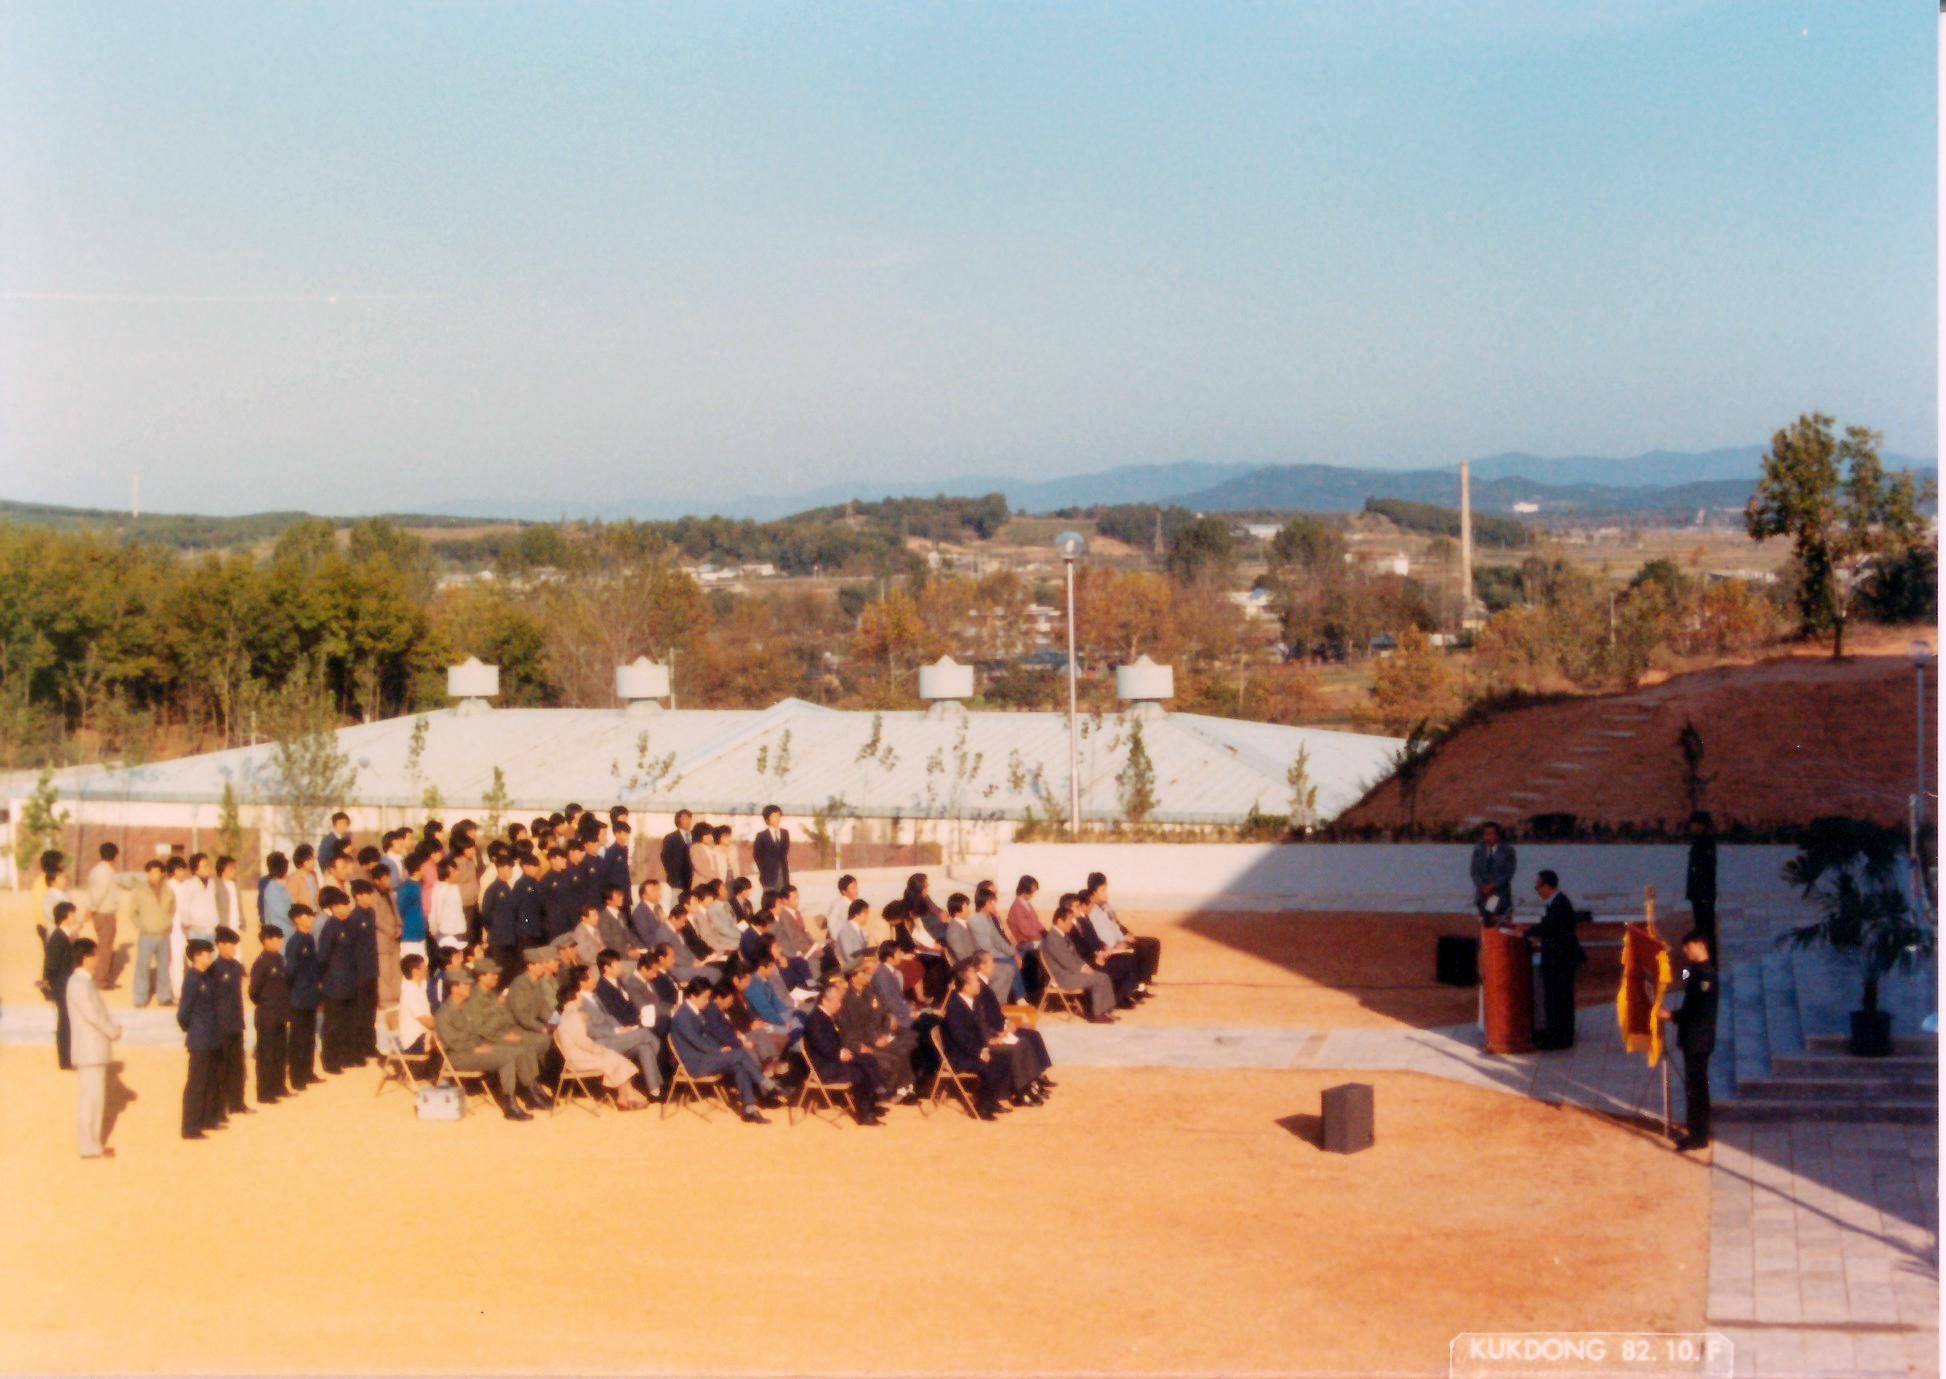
(1458, 961)
(1348, 1118)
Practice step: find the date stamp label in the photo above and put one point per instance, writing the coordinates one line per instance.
(1596, 1354)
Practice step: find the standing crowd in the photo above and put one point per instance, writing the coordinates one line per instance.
(535, 954)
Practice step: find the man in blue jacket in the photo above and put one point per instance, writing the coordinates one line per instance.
(202, 1093)
(703, 1052)
(338, 981)
(301, 963)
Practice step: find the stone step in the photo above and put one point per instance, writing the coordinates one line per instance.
(1918, 1044)
(1750, 1045)
(1785, 1036)
(1831, 1063)
(1857, 1087)
(1820, 1008)
(1913, 1112)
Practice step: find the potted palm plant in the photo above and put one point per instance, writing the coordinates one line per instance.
(1848, 866)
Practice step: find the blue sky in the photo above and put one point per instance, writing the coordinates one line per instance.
(354, 257)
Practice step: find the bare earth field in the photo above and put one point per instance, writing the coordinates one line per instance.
(1145, 1221)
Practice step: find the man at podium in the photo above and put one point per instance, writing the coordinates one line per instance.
(1561, 954)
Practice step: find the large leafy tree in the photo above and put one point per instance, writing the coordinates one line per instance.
(1832, 498)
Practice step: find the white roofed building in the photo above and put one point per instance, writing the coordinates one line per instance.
(963, 777)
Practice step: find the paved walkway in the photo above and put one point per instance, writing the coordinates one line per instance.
(1824, 1248)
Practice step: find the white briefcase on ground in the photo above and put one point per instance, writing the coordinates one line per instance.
(440, 1102)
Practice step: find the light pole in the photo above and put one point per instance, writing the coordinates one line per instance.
(1072, 546)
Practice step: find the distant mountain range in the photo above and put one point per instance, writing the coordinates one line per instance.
(1669, 483)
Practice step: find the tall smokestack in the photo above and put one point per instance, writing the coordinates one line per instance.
(1466, 543)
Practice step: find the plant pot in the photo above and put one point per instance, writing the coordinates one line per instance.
(1871, 1033)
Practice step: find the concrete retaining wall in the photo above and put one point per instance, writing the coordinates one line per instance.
(1388, 876)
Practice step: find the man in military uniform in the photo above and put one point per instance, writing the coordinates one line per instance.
(467, 1050)
(531, 1004)
(492, 1023)
(1695, 1022)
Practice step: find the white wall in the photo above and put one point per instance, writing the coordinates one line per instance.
(1386, 876)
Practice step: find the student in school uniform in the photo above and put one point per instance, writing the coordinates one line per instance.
(302, 971)
(338, 980)
(202, 1092)
(226, 975)
(270, 994)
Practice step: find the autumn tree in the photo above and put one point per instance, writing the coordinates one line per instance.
(1203, 550)
(1413, 685)
(1841, 511)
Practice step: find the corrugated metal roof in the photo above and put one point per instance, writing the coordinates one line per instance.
(948, 763)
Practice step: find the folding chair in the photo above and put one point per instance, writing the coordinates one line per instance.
(699, 1088)
(1069, 1001)
(945, 1078)
(471, 1082)
(834, 1099)
(593, 1092)
(395, 1066)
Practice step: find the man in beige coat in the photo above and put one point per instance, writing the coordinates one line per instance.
(92, 1046)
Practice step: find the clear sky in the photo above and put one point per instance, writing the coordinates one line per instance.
(354, 257)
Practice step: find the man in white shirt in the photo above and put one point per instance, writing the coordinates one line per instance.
(1108, 928)
(840, 909)
(415, 1005)
(105, 893)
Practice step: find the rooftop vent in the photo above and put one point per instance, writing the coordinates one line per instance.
(641, 684)
(944, 684)
(1144, 684)
(472, 682)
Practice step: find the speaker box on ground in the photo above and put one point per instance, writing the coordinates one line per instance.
(1348, 1117)
(1457, 962)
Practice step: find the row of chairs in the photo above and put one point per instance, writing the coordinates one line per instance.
(700, 1093)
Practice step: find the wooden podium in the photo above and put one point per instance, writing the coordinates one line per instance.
(1507, 991)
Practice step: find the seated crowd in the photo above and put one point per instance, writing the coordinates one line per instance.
(521, 957)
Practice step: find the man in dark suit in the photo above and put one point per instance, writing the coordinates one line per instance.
(1699, 885)
(703, 1052)
(500, 913)
(270, 994)
(1560, 956)
(363, 925)
(1491, 869)
(202, 1092)
(676, 872)
(773, 851)
(530, 900)
(1695, 1022)
(301, 965)
(616, 869)
(561, 888)
(57, 965)
(837, 1065)
(338, 979)
(1024, 1046)
(1120, 966)
(226, 977)
(966, 1046)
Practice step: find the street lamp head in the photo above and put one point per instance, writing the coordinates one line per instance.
(1071, 545)
(1921, 652)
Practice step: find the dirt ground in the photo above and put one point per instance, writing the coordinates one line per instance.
(1304, 971)
(1784, 740)
(1144, 1221)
